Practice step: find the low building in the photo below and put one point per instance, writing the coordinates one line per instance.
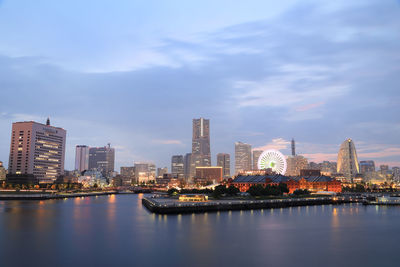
(193, 198)
(2, 172)
(311, 183)
(12, 178)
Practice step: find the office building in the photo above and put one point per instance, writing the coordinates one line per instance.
(208, 175)
(81, 158)
(37, 149)
(145, 172)
(188, 165)
(347, 164)
(295, 164)
(242, 157)
(161, 172)
(224, 161)
(293, 143)
(177, 167)
(102, 159)
(201, 153)
(384, 169)
(367, 166)
(256, 156)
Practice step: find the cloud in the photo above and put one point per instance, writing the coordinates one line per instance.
(277, 143)
(309, 106)
(168, 142)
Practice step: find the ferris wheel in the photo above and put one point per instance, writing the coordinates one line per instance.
(274, 160)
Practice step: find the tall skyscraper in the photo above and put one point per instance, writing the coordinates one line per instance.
(37, 149)
(367, 166)
(81, 158)
(293, 147)
(347, 163)
(242, 157)
(224, 161)
(177, 166)
(256, 156)
(102, 159)
(201, 153)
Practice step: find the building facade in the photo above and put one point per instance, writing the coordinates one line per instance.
(256, 156)
(177, 167)
(2, 172)
(347, 164)
(81, 158)
(367, 166)
(161, 172)
(37, 149)
(145, 172)
(295, 164)
(201, 152)
(242, 157)
(224, 161)
(102, 159)
(188, 165)
(208, 175)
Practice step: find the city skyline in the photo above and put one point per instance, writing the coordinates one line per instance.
(263, 73)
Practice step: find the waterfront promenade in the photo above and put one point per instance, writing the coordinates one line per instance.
(173, 206)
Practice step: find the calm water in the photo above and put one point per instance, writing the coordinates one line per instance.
(117, 230)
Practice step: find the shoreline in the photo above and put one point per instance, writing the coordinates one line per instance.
(49, 196)
(215, 206)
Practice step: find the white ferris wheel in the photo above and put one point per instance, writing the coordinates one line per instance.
(274, 160)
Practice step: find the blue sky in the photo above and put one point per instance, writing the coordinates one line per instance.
(135, 74)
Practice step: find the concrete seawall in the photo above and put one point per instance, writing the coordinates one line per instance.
(211, 206)
(51, 196)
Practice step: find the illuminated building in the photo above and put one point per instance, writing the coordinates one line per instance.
(102, 159)
(256, 156)
(145, 172)
(208, 174)
(224, 161)
(311, 183)
(193, 198)
(81, 158)
(201, 153)
(367, 166)
(37, 149)
(127, 175)
(177, 167)
(91, 178)
(242, 157)
(347, 164)
(295, 164)
(2, 172)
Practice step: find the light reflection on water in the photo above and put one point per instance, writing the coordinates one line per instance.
(117, 230)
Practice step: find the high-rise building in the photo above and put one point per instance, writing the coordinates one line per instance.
(384, 169)
(81, 158)
(177, 166)
(161, 172)
(102, 159)
(295, 164)
(367, 166)
(2, 172)
(37, 149)
(256, 156)
(188, 165)
(396, 173)
(242, 157)
(224, 161)
(201, 153)
(347, 163)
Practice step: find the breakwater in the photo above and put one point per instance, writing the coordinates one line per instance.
(45, 196)
(176, 207)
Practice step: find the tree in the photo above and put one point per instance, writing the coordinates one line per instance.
(300, 192)
(232, 190)
(173, 191)
(219, 191)
(256, 190)
(283, 188)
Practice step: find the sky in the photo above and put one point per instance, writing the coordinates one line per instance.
(135, 74)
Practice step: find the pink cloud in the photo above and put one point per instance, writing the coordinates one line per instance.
(168, 142)
(309, 106)
(277, 143)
